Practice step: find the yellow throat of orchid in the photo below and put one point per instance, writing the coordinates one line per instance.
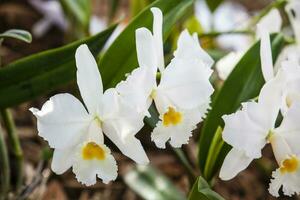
(92, 151)
(289, 165)
(172, 117)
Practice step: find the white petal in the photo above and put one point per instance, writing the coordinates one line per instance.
(178, 134)
(289, 181)
(226, 64)
(86, 171)
(247, 129)
(95, 132)
(62, 121)
(188, 47)
(272, 22)
(158, 38)
(235, 162)
(293, 10)
(62, 160)
(145, 48)
(185, 83)
(265, 53)
(88, 78)
(289, 52)
(290, 127)
(136, 89)
(270, 97)
(120, 124)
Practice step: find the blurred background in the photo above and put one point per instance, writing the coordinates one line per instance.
(52, 25)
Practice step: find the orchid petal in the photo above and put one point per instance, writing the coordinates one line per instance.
(235, 162)
(88, 78)
(265, 53)
(62, 121)
(146, 52)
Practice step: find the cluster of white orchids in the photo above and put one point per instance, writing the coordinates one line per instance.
(181, 97)
(273, 118)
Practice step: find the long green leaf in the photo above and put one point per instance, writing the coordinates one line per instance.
(78, 10)
(213, 4)
(22, 35)
(40, 73)
(202, 191)
(244, 83)
(121, 58)
(151, 184)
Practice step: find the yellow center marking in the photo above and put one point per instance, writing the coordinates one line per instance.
(289, 165)
(92, 151)
(172, 117)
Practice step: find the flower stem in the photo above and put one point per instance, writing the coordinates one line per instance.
(217, 33)
(15, 144)
(4, 165)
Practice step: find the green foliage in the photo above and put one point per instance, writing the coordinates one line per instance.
(151, 184)
(213, 4)
(79, 13)
(121, 58)
(40, 73)
(244, 83)
(213, 153)
(18, 34)
(202, 191)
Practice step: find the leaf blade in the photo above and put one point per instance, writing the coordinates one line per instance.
(43, 72)
(18, 34)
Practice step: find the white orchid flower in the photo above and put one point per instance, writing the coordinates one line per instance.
(287, 153)
(183, 94)
(251, 128)
(76, 132)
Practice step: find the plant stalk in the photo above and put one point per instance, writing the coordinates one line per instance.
(15, 144)
(5, 170)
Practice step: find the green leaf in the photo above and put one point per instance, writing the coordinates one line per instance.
(213, 4)
(213, 153)
(244, 83)
(18, 34)
(151, 184)
(40, 73)
(121, 58)
(78, 11)
(202, 191)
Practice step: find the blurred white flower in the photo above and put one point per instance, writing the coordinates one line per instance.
(291, 52)
(272, 22)
(76, 132)
(52, 15)
(97, 24)
(183, 94)
(226, 64)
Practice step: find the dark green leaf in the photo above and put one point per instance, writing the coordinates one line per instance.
(213, 4)
(40, 73)
(151, 184)
(202, 191)
(244, 83)
(121, 58)
(18, 34)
